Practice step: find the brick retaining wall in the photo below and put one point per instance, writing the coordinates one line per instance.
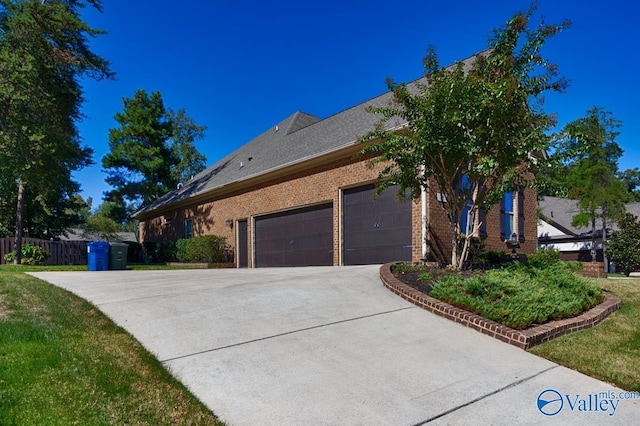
(593, 270)
(523, 339)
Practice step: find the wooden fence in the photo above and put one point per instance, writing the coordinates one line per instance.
(60, 252)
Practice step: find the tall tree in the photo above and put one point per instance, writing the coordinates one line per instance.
(470, 132)
(140, 159)
(43, 54)
(590, 154)
(184, 134)
(151, 152)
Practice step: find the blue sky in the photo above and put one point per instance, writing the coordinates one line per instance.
(241, 67)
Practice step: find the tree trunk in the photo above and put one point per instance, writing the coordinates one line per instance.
(594, 249)
(604, 243)
(17, 244)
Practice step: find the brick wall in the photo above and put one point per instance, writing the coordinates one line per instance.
(317, 185)
(593, 270)
(440, 234)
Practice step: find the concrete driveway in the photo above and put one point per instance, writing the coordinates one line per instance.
(332, 346)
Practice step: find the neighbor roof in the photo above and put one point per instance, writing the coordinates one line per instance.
(296, 139)
(559, 212)
(75, 234)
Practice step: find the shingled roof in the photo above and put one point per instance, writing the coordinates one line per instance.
(559, 212)
(296, 139)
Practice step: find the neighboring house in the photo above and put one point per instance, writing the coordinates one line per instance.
(555, 229)
(75, 234)
(301, 194)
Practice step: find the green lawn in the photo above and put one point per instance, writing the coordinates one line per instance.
(611, 350)
(62, 362)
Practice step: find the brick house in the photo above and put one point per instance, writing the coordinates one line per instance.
(301, 194)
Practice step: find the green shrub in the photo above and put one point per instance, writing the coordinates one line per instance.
(31, 255)
(624, 245)
(425, 277)
(159, 252)
(544, 257)
(490, 257)
(574, 265)
(520, 296)
(205, 249)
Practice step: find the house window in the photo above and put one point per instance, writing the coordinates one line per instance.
(469, 221)
(506, 216)
(466, 220)
(512, 215)
(188, 228)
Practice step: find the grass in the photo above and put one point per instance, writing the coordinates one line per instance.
(520, 296)
(62, 362)
(609, 351)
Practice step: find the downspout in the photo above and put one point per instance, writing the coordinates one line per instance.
(425, 220)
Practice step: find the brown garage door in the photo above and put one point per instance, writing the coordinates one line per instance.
(302, 237)
(376, 229)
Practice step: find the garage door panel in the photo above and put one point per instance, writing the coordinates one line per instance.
(302, 237)
(376, 229)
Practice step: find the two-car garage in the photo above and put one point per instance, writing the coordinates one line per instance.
(375, 229)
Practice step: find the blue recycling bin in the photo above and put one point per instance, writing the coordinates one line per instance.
(98, 256)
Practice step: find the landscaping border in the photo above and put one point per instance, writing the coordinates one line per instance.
(524, 339)
(202, 265)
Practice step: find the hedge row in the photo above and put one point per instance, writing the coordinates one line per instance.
(205, 249)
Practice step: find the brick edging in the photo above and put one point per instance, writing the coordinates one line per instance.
(202, 265)
(523, 339)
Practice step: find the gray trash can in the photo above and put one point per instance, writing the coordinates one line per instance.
(118, 256)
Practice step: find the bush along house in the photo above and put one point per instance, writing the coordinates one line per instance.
(301, 194)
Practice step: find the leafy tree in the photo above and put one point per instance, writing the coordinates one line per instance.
(185, 132)
(625, 244)
(43, 53)
(631, 180)
(151, 151)
(116, 210)
(590, 155)
(472, 130)
(105, 228)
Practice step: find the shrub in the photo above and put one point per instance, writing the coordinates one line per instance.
(205, 249)
(520, 296)
(624, 245)
(159, 252)
(31, 255)
(544, 257)
(490, 257)
(425, 277)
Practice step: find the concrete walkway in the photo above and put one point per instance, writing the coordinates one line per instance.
(332, 346)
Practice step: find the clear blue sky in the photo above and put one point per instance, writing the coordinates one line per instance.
(241, 67)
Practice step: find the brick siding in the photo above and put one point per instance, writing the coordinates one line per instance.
(317, 184)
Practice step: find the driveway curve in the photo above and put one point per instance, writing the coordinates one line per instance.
(332, 346)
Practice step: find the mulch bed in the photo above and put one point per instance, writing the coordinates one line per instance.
(411, 276)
